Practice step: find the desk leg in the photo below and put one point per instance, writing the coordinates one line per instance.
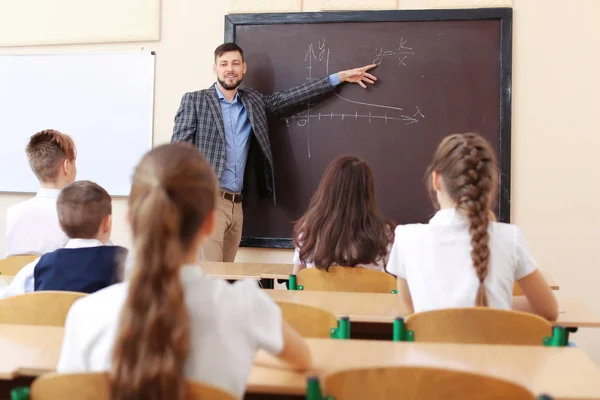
(7, 386)
(267, 283)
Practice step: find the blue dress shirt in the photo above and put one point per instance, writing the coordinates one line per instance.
(237, 139)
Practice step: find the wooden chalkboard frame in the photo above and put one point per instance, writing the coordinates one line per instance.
(504, 15)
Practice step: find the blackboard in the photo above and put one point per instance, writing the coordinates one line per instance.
(439, 72)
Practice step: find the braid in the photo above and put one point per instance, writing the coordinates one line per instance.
(467, 164)
(474, 200)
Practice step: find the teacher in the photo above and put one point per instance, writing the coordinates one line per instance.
(220, 122)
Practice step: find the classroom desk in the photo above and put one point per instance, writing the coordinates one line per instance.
(566, 373)
(27, 350)
(384, 308)
(232, 271)
(283, 271)
(255, 271)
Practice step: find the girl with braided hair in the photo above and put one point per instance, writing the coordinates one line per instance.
(462, 257)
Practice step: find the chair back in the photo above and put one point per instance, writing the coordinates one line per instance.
(347, 279)
(95, 386)
(420, 383)
(310, 322)
(38, 308)
(12, 265)
(479, 325)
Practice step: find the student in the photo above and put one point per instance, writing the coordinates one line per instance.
(87, 263)
(32, 226)
(461, 258)
(169, 322)
(343, 225)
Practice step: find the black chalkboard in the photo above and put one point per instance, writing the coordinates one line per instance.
(439, 71)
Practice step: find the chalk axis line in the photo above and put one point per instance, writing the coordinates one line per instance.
(303, 118)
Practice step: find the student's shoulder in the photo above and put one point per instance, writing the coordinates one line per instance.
(106, 299)
(410, 230)
(502, 230)
(18, 208)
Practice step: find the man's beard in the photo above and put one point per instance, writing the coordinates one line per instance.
(230, 87)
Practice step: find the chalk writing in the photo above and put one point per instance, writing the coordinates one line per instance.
(403, 52)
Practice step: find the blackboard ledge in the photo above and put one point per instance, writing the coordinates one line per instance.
(267, 243)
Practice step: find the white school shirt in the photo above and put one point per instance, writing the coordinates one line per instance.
(228, 324)
(32, 226)
(24, 281)
(435, 260)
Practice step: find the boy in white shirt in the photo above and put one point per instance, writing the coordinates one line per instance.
(32, 226)
(88, 262)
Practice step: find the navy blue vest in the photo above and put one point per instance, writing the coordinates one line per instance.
(86, 269)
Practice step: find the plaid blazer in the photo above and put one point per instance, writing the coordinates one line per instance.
(199, 121)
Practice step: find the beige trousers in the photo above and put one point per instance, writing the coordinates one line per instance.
(224, 242)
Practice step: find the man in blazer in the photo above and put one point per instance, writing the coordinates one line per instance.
(220, 122)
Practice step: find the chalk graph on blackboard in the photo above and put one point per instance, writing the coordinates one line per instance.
(303, 118)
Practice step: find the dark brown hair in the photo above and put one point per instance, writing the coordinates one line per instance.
(343, 225)
(467, 166)
(46, 151)
(226, 48)
(173, 192)
(81, 207)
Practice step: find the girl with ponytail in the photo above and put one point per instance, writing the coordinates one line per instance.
(168, 323)
(462, 257)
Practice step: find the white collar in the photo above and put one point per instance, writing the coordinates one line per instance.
(47, 192)
(449, 216)
(80, 243)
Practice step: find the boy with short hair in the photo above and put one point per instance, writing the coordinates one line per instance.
(32, 226)
(88, 262)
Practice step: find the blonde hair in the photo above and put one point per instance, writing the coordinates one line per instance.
(46, 150)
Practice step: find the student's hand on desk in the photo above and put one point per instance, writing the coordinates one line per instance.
(264, 359)
(358, 75)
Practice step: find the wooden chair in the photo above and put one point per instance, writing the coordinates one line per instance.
(38, 308)
(419, 383)
(95, 386)
(12, 265)
(479, 325)
(346, 279)
(311, 322)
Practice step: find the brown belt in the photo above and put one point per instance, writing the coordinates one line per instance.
(232, 197)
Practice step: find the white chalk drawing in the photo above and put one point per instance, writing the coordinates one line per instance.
(403, 52)
(320, 54)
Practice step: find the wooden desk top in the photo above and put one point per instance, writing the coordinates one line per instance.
(566, 373)
(27, 350)
(384, 308)
(256, 271)
(229, 270)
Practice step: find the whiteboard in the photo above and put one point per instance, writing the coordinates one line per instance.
(103, 101)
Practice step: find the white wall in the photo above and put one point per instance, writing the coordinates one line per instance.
(556, 115)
